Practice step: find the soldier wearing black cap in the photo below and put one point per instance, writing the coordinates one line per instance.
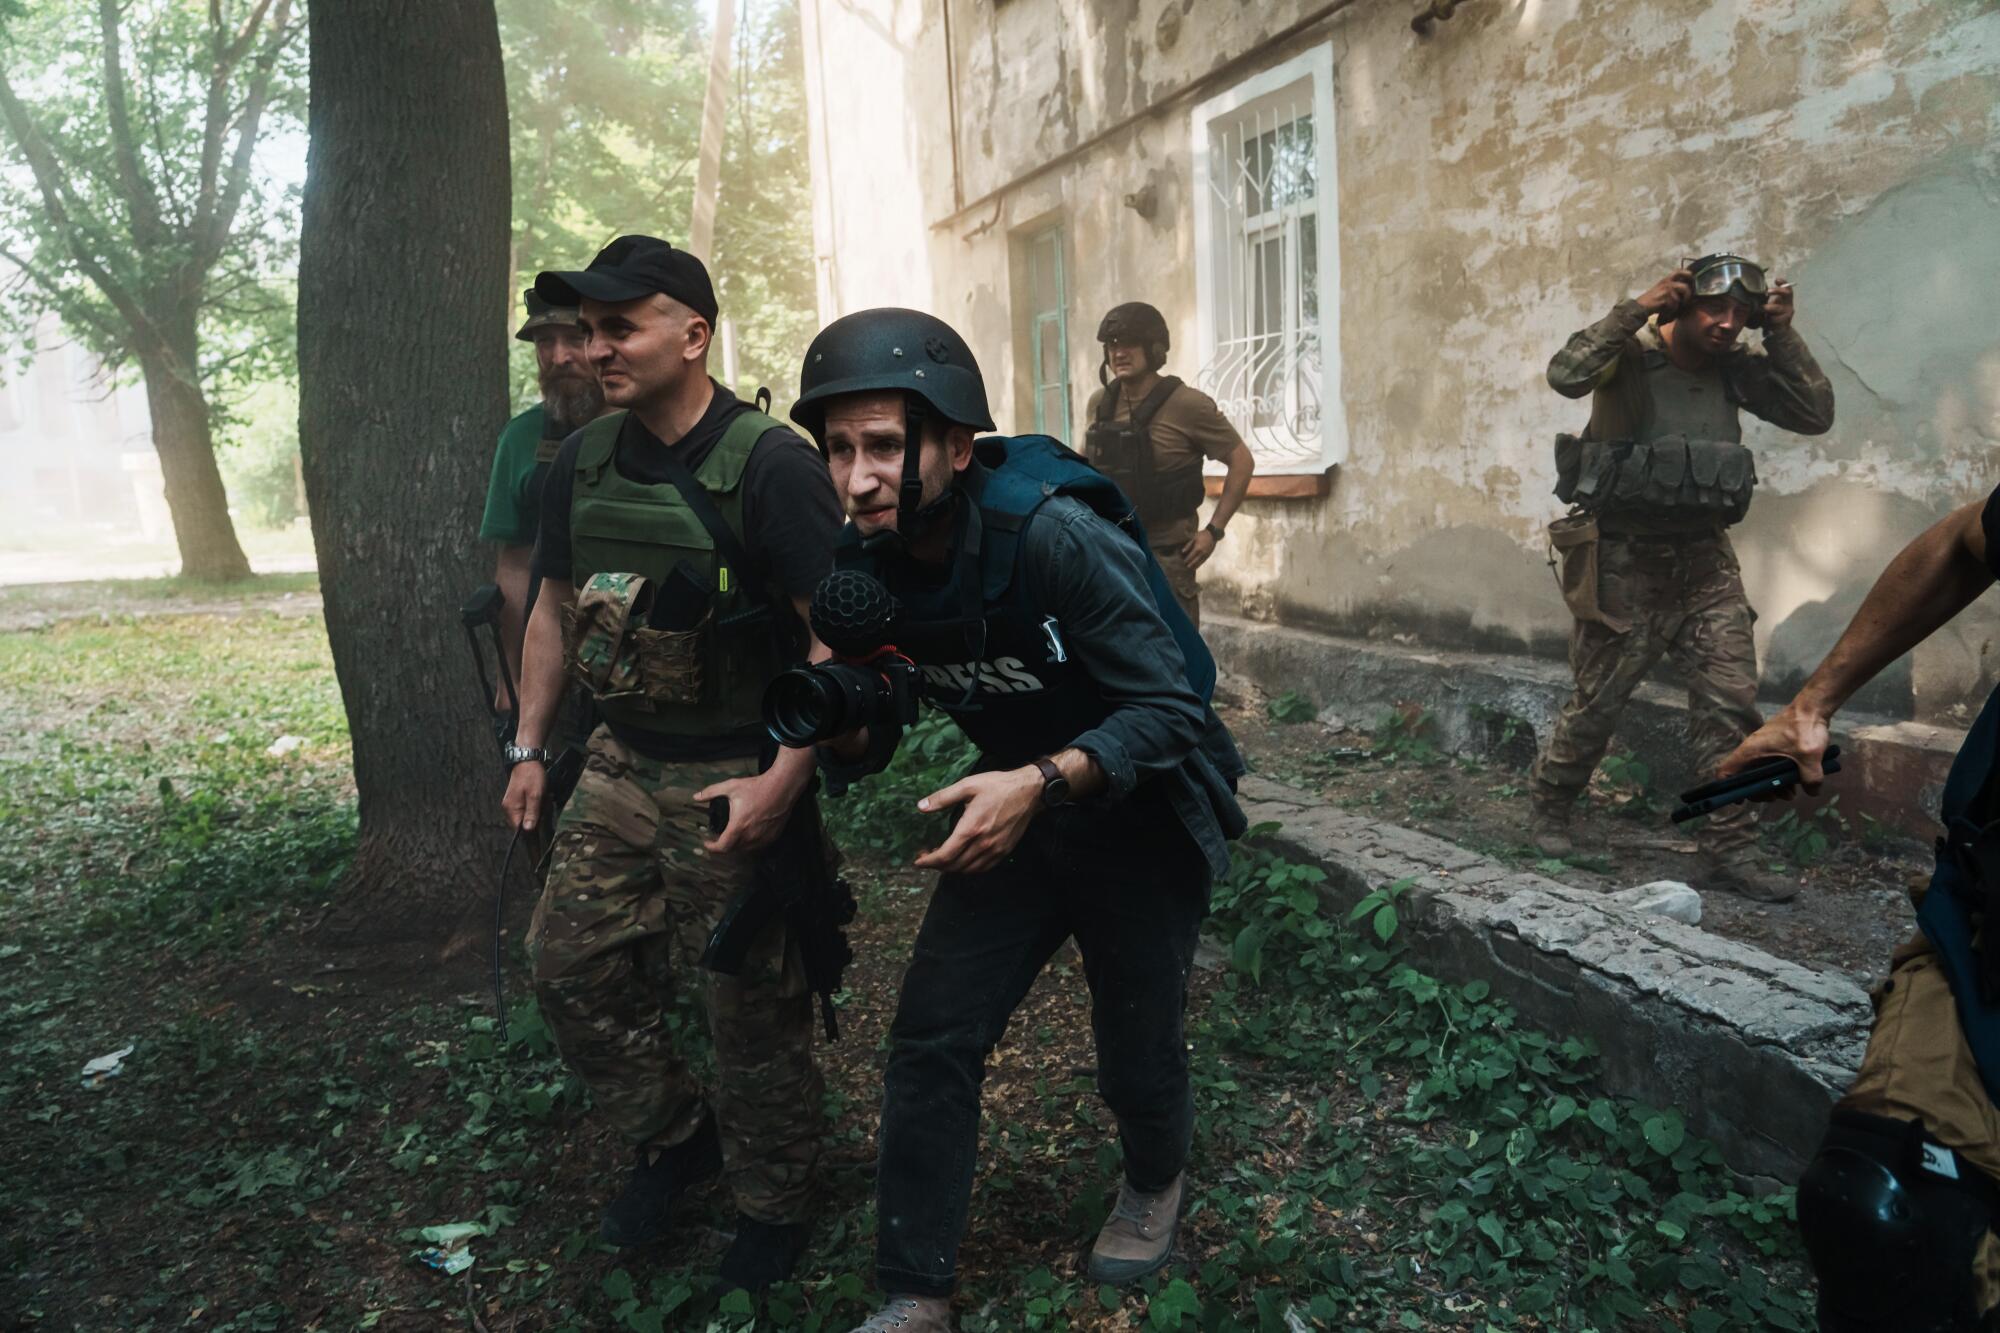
(1150, 433)
(680, 540)
(570, 398)
(1100, 809)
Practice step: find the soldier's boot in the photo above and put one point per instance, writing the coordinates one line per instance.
(1548, 825)
(1138, 1237)
(762, 1253)
(908, 1314)
(1740, 870)
(638, 1216)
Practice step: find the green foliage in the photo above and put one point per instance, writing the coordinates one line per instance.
(1544, 1202)
(1806, 840)
(605, 100)
(879, 814)
(166, 745)
(1628, 782)
(1375, 1149)
(260, 457)
(1291, 708)
(155, 214)
(1406, 735)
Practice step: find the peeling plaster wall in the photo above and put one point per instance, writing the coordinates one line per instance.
(1501, 183)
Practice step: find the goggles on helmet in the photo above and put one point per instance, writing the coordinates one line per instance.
(1728, 275)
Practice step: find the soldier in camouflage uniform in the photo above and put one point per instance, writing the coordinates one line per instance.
(1656, 477)
(680, 540)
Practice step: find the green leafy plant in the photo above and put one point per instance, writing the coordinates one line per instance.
(1805, 841)
(879, 813)
(1405, 735)
(1292, 708)
(1628, 785)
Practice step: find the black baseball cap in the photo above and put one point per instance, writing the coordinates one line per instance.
(629, 268)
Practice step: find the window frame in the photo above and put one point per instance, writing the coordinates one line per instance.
(1306, 77)
(1049, 241)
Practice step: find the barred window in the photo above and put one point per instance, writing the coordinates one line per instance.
(1267, 273)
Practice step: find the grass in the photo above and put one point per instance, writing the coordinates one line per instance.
(1375, 1150)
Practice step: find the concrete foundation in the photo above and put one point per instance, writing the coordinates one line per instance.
(1752, 1049)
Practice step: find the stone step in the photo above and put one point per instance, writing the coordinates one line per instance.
(1752, 1049)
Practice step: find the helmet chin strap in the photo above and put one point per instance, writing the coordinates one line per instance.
(913, 517)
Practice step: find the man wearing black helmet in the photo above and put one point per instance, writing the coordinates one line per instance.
(1150, 433)
(1100, 809)
(1655, 478)
(679, 540)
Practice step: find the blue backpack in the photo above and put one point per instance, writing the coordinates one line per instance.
(1026, 470)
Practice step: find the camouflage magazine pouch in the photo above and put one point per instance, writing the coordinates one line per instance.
(671, 662)
(614, 654)
(594, 634)
(1573, 548)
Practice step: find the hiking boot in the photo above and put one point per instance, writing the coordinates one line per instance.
(638, 1216)
(1138, 1237)
(908, 1314)
(1548, 828)
(762, 1253)
(1745, 874)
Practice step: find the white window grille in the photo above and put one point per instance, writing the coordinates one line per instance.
(1268, 257)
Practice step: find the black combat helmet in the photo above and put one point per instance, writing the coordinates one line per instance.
(891, 349)
(895, 350)
(1137, 324)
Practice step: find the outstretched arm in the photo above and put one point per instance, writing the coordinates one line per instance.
(1930, 581)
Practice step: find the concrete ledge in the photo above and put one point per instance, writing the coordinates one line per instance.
(1892, 771)
(1751, 1048)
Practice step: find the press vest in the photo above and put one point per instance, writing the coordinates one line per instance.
(618, 525)
(1124, 452)
(993, 658)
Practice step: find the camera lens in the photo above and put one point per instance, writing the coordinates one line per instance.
(803, 706)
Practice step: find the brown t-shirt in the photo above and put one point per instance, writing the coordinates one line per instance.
(1188, 426)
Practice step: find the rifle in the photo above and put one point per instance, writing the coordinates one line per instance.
(792, 880)
(482, 612)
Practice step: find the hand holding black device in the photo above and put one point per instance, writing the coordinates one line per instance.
(1764, 776)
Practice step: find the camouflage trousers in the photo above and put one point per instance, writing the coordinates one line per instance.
(1682, 599)
(628, 905)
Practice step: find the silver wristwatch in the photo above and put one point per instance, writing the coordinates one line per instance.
(521, 754)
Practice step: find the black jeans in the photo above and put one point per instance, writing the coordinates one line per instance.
(1131, 886)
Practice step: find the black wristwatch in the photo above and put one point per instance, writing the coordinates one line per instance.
(521, 754)
(1212, 530)
(1055, 787)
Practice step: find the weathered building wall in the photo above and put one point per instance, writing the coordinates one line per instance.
(1500, 183)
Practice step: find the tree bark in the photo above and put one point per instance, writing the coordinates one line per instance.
(402, 389)
(184, 439)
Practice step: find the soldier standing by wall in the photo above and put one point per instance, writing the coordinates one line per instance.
(1150, 433)
(1657, 475)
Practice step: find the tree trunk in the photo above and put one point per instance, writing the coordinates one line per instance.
(185, 442)
(402, 391)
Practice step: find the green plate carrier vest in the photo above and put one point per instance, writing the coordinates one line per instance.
(625, 526)
(1686, 460)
